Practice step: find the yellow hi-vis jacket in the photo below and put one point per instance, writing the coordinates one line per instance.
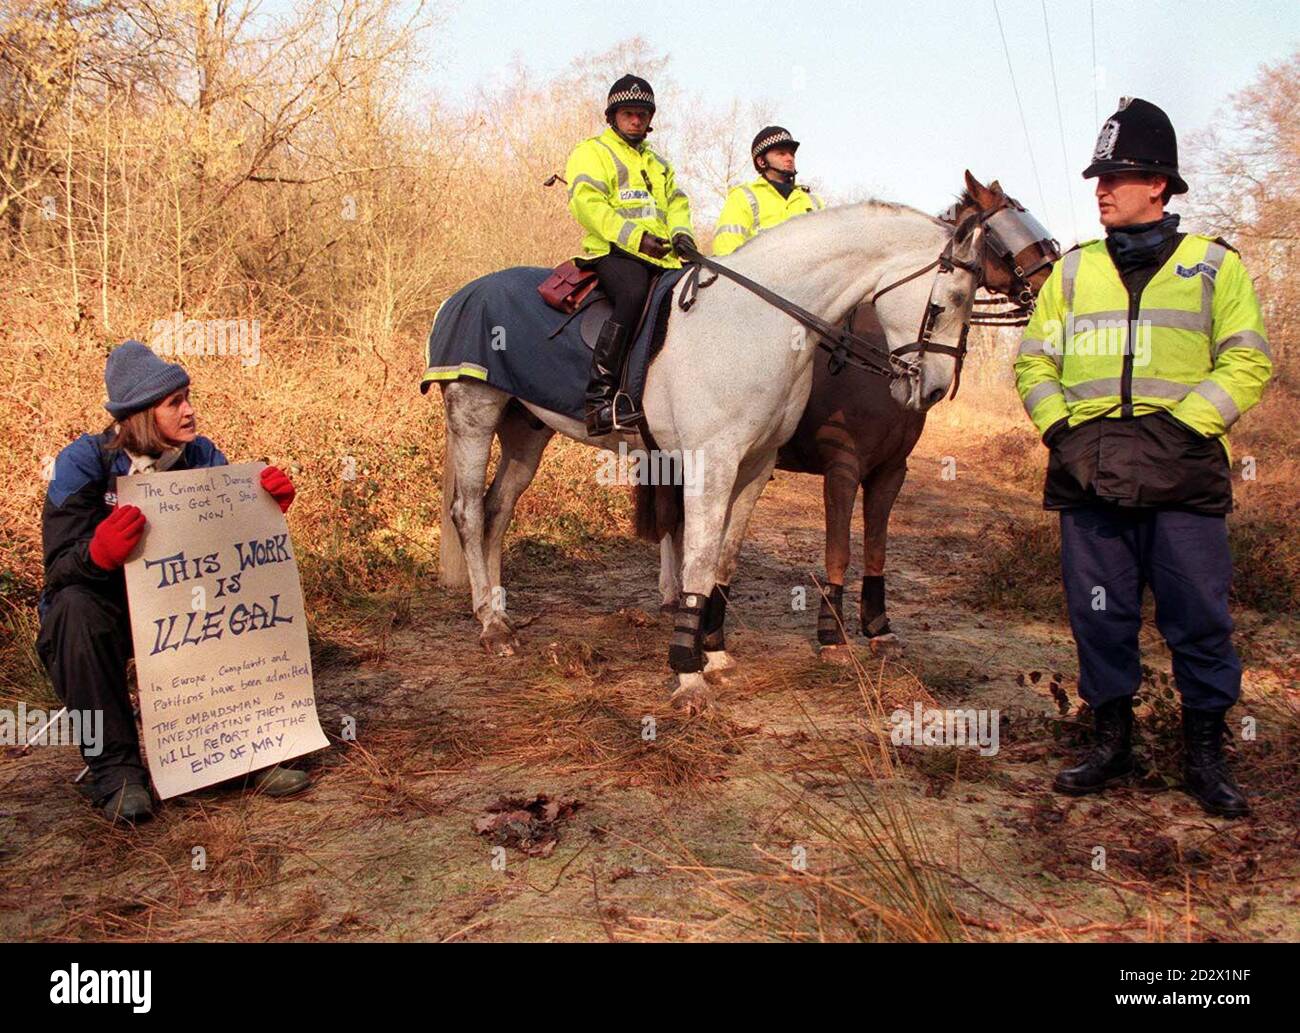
(753, 207)
(1199, 353)
(619, 193)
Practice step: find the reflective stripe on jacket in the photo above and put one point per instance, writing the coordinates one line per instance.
(619, 193)
(1200, 352)
(757, 206)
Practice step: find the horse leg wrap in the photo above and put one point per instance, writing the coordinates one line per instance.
(684, 654)
(872, 610)
(715, 612)
(830, 617)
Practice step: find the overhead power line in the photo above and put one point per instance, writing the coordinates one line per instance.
(1024, 124)
(1060, 124)
(1092, 27)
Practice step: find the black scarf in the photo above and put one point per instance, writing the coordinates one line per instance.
(1141, 243)
(785, 189)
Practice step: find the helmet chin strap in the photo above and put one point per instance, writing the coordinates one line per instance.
(633, 139)
(786, 177)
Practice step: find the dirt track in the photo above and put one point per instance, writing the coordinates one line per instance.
(385, 846)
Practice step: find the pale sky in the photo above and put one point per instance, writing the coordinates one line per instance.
(898, 98)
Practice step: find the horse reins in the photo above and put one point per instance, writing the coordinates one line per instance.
(848, 348)
(869, 359)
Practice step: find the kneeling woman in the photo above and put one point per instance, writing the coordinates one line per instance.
(85, 637)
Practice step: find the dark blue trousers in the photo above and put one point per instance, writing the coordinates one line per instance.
(1109, 556)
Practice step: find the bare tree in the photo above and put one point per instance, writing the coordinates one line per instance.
(1246, 173)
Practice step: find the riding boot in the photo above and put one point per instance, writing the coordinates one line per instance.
(1111, 757)
(606, 372)
(1205, 771)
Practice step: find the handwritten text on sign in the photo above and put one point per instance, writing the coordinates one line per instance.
(219, 628)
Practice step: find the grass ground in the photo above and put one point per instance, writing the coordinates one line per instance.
(783, 814)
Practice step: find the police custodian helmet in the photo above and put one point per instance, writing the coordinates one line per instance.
(1138, 138)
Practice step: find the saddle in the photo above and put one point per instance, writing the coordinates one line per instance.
(575, 292)
(548, 361)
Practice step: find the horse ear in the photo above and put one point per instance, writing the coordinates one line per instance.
(982, 195)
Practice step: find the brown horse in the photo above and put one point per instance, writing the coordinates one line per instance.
(854, 434)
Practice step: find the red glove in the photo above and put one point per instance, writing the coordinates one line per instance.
(115, 537)
(278, 486)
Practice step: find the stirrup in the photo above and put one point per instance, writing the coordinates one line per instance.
(635, 417)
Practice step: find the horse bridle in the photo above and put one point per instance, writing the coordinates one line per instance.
(946, 263)
(1011, 231)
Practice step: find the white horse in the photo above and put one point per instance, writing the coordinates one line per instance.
(727, 388)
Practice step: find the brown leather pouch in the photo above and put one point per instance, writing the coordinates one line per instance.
(567, 287)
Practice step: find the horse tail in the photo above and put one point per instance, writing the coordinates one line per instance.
(452, 571)
(660, 509)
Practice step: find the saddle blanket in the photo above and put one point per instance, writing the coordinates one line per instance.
(499, 330)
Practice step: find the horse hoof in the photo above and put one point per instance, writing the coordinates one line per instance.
(499, 640)
(500, 646)
(841, 654)
(692, 696)
(721, 675)
(886, 645)
(718, 663)
(668, 609)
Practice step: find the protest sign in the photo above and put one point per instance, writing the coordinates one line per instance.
(219, 628)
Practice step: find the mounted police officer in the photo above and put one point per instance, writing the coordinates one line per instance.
(637, 219)
(769, 200)
(1142, 352)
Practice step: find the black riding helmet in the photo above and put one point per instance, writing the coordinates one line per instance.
(767, 138)
(627, 91)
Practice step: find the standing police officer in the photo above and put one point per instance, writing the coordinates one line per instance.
(768, 200)
(1144, 348)
(637, 219)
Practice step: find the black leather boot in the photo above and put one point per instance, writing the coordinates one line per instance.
(606, 371)
(1205, 769)
(1111, 757)
(131, 804)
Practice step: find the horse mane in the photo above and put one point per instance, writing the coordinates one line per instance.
(895, 206)
(765, 239)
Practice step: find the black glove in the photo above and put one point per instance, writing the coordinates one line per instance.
(655, 247)
(684, 244)
(1052, 436)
